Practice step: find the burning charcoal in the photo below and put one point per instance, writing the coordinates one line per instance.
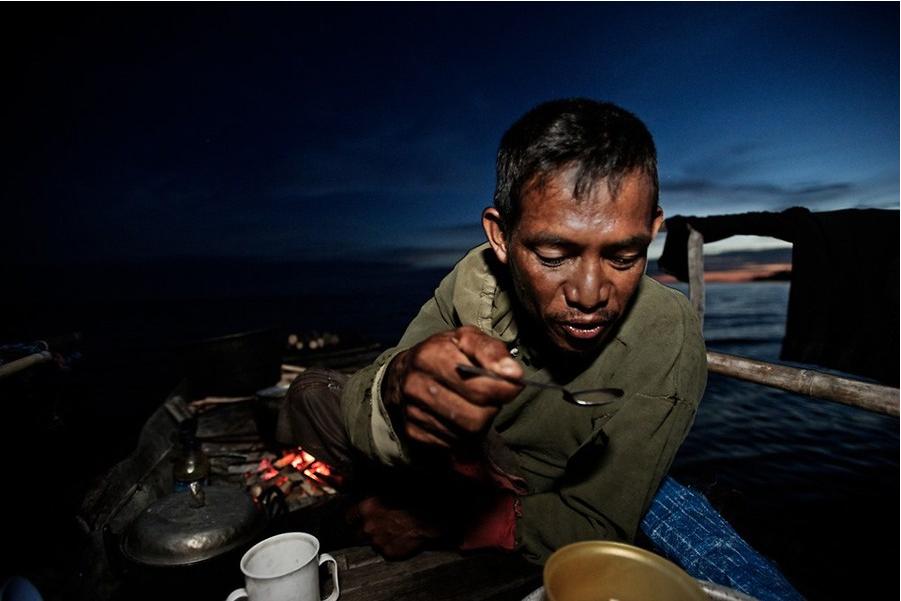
(284, 484)
(310, 489)
(286, 459)
(268, 474)
(303, 460)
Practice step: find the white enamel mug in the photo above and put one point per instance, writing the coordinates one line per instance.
(285, 567)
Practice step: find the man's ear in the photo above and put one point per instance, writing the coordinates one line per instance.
(658, 222)
(494, 231)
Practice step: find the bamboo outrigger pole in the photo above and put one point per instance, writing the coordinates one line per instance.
(882, 399)
(24, 363)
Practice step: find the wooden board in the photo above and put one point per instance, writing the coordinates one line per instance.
(434, 575)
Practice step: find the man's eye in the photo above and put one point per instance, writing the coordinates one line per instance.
(551, 261)
(624, 262)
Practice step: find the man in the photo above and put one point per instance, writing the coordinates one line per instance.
(558, 294)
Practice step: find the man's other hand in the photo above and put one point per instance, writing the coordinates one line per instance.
(429, 400)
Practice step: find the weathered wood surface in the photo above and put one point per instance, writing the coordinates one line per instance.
(873, 397)
(696, 272)
(435, 575)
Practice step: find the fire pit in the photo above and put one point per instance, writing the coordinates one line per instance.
(241, 458)
(297, 474)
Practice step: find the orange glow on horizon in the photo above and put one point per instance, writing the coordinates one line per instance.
(749, 273)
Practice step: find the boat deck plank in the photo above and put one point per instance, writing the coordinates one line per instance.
(435, 575)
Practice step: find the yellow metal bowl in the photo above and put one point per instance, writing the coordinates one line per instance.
(608, 571)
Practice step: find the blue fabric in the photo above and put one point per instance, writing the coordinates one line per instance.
(686, 529)
(19, 589)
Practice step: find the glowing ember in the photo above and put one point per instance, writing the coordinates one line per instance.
(268, 474)
(285, 460)
(302, 460)
(297, 473)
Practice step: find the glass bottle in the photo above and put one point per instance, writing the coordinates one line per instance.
(191, 463)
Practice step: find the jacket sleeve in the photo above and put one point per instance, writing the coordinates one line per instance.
(610, 481)
(365, 418)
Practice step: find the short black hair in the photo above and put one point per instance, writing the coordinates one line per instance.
(599, 139)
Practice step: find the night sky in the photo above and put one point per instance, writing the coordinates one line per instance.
(324, 132)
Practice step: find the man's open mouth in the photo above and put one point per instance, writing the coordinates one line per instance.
(584, 331)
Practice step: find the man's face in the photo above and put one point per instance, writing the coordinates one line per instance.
(576, 264)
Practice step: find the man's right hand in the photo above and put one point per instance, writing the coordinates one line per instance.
(431, 403)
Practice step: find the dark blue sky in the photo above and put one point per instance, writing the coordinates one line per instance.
(311, 131)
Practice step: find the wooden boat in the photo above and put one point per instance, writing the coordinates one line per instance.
(234, 432)
(230, 428)
(233, 428)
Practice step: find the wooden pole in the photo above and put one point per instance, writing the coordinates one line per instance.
(881, 399)
(24, 363)
(696, 272)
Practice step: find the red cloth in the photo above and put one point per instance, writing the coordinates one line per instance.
(495, 526)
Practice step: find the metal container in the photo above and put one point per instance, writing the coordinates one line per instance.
(188, 527)
(602, 570)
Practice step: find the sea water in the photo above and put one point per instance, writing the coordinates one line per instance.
(814, 485)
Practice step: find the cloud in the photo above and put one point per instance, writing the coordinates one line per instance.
(706, 196)
(765, 175)
(734, 160)
(704, 186)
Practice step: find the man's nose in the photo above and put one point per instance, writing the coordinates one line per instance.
(588, 289)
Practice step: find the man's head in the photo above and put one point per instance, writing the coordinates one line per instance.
(574, 211)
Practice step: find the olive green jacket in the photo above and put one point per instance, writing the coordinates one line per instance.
(591, 471)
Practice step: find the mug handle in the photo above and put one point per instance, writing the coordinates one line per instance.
(238, 593)
(333, 570)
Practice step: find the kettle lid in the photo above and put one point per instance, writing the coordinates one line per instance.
(178, 530)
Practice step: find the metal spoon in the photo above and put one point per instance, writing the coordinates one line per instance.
(584, 398)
